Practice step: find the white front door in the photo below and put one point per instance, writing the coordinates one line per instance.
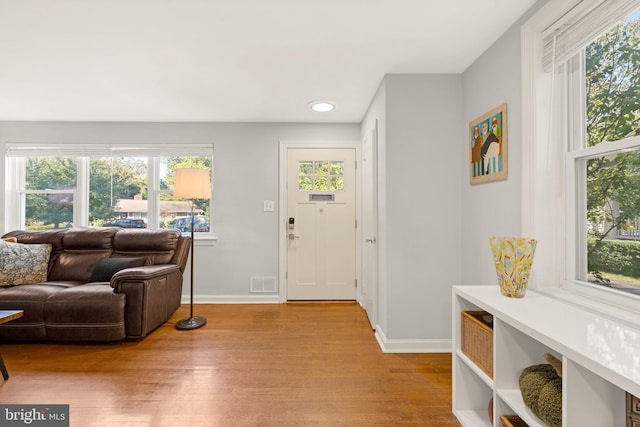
(369, 289)
(321, 224)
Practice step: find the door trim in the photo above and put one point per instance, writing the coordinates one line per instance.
(282, 208)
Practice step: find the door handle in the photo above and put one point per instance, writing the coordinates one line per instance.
(373, 240)
(293, 236)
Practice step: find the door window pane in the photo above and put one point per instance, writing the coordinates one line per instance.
(337, 183)
(305, 168)
(320, 176)
(305, 183)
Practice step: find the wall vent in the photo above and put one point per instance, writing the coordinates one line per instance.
(263, 285)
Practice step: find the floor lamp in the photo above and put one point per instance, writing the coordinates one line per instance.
(192, 184)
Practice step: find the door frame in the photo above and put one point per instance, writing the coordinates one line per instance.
(283, 203)
(372, 295)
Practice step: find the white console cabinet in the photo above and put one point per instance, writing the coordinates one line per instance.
(601, 359)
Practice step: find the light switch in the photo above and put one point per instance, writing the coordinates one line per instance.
(269, 205)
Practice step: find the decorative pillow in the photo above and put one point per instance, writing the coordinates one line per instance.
(107, 267)
(21, 264)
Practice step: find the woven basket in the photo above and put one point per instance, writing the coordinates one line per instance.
(512, 421)
(477, 340)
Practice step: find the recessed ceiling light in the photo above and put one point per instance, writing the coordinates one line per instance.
(322, 106)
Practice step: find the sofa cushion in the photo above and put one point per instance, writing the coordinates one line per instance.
(82, 249)
(107, 267)
(53, 237)
(31, 299)
(158, 246)
(91, 312)
(89, 238)
(21, 264)
(75, 266)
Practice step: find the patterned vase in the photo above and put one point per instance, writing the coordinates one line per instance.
(513, 257)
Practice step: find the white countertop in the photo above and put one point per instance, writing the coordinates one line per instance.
(604, 346)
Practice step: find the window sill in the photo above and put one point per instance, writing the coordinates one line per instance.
(202, 240)
(620, 308)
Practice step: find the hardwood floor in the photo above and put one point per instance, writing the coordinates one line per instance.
(297, 364)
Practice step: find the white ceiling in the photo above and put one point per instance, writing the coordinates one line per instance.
(232, 60)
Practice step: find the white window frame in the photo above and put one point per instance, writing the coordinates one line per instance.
(554, 188)
(15, 177)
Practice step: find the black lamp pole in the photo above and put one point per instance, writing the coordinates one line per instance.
(191, 322)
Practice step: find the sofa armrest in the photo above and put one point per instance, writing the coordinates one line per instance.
(141, 274)
(153, 294)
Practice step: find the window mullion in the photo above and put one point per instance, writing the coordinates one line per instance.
(81, 196)
(607, 148)
(576, 171)
(153, 192)
(15, 184)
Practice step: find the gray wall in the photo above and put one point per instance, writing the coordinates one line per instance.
(493, 209)
(423, 183)
(419, 196)
(376, 118)
(245, 174)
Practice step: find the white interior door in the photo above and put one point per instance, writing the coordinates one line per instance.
(321, 224)
(369, 289)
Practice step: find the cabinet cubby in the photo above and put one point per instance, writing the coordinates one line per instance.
(597, 367)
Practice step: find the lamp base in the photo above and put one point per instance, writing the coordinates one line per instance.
(191, 323)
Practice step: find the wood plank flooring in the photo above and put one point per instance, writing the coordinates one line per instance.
(296, 364)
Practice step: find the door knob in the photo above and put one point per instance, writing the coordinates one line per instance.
(373, 240)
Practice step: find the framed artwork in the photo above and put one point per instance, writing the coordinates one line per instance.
(488, 146)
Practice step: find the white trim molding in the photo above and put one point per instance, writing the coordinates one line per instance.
(549, 188)
(412, 345)
(282, 207)
(232, 299)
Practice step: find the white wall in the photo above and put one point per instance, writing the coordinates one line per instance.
(245, 174)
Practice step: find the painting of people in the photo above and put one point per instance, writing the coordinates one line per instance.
(488, 146)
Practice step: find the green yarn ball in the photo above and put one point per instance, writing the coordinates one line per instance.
(541, 390)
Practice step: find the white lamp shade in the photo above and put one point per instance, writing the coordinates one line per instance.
(192, 183)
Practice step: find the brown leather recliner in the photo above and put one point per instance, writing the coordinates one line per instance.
(68, 306)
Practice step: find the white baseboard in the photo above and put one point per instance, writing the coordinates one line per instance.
(412, 345)
(232, 299)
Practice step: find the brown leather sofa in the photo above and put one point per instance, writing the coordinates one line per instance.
(69, 307)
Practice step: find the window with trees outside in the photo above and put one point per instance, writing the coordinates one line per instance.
(581, 136)
(128, 187)
(607, 158)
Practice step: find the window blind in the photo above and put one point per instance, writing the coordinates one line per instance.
(110, 150)
(580, 26)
